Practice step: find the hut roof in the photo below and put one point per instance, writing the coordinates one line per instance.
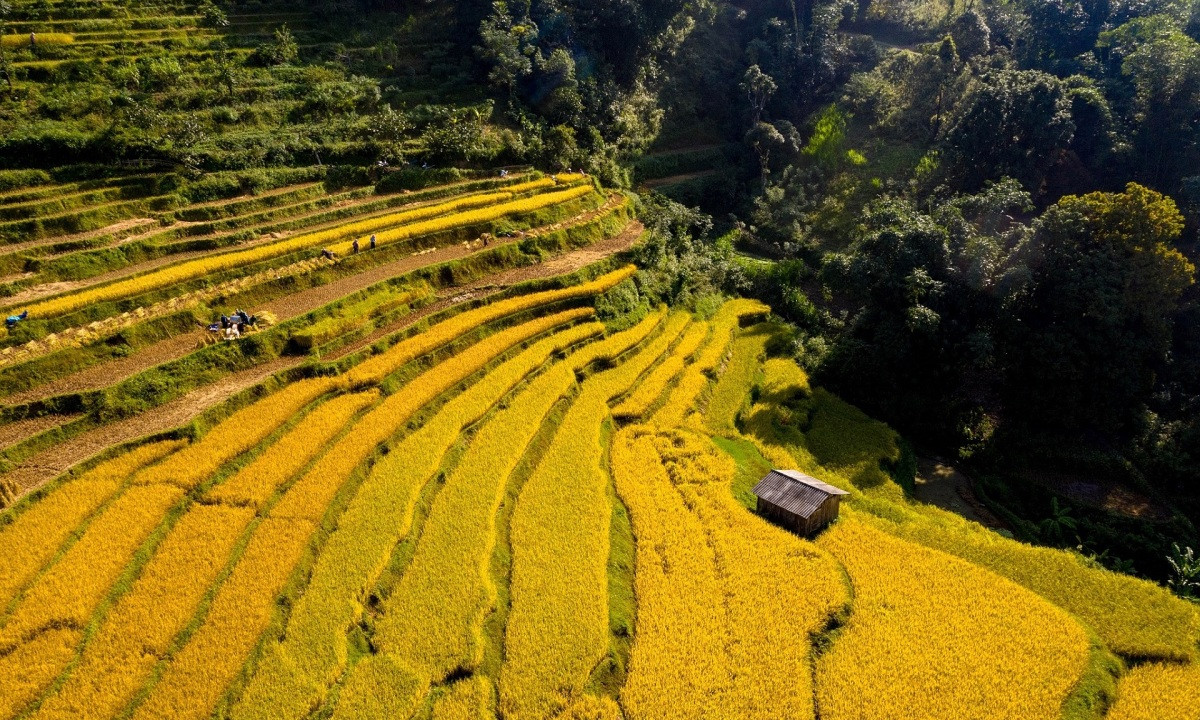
(794, 491)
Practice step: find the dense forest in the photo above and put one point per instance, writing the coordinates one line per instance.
(979, 217)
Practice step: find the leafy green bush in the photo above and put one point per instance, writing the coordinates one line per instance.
(12, 179)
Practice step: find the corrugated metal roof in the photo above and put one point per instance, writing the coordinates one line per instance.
(794, 491)
(811, 481)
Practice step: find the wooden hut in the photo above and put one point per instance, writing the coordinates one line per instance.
(798, 502)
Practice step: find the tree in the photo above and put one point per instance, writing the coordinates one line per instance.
(213, 15)
(1185, 572)
(455, 137)
(558, 89)
(972, 36)
(1060, 30)
(897, 345)
(765, 138)
(226, 71)
(592, 65)
(1014, 123)
(506, 46)
(827, 144)
(759, 87)
(1059, 524)
(1094, 322)
(1163, 66)
(925, 290)
(1095, 128)
(388, 125)
(682, 264)
(282, 49)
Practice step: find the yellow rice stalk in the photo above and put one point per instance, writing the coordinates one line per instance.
(141, 626)
(415, 459)
(590, 707)
(196, 678)
(235, 435)
(381, 687)
(392, 220)
(254, 484)
(933, 637)
(683, 397)
(309, 496)
(616, 345)
(35, 536)
(31, 668)
(435, 620)
(724, 323)
(732, 389)
(469, 699)
(207, 265)
(783, 380)
(1133, 617)
(21, 40)
(1158, 691)
(678, 592)
(375, 369)
(558, 626)
(750, 648)
(294, 674)
(484, 214)
(780, 590)
(68, 594)
(649, 390)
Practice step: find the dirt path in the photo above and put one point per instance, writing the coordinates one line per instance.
(291, 306)
(108, 373)
(273, 192)
(674, 179)
(16, 277)
(51, 463)
(116, 227)
(15, 432)
(945, 487)
(307, 300)
(685, 150)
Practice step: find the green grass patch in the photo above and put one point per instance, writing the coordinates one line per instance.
(751, 467)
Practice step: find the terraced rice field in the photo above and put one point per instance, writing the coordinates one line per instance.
(441, 480)
(431, 236)
(512, 511)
